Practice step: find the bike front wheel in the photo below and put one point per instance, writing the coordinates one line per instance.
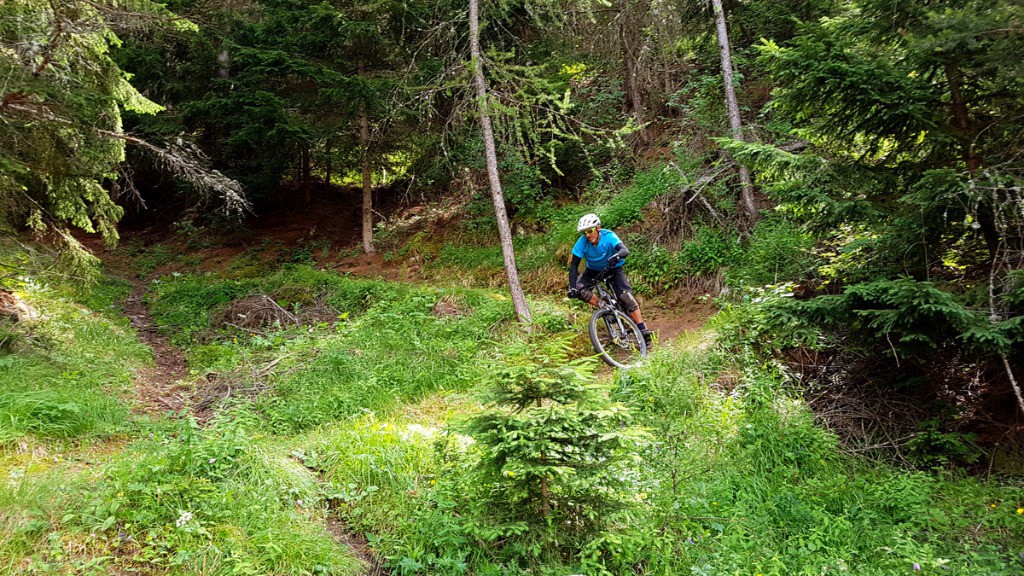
(617, 338)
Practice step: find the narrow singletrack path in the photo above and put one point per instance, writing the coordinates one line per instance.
(156, 388)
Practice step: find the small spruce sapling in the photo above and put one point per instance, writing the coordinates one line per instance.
(552, 448)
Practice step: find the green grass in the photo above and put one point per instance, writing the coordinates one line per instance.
(71, 371)
(362, 420)
(395, 351)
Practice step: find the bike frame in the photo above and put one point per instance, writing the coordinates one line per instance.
(609, 306)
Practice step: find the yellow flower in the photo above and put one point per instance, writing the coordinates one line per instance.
(432, 482)
(991, 505)
(1020, 510)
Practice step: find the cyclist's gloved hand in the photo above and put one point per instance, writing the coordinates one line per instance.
(613, 260)
(574, 293)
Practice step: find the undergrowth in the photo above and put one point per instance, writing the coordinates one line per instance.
(426, 420)
(66, 368)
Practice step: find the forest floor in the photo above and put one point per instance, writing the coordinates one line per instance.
(330, 230)
(164, 387)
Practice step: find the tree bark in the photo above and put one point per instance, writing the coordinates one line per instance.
(327, 177)
(364, 141)
(629, 40)
(504, 231)
(747, 194)
(307, 193)
(972, 161)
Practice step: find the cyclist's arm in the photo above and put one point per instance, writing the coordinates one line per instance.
(574, 270)
(620, 252)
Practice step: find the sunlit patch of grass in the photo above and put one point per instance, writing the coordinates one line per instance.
(73, 373)
(438, 409)
(207, 501)
(398, 350)
(379, 472)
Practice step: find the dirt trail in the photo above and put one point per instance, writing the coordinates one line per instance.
(669, 316)
(156, 388)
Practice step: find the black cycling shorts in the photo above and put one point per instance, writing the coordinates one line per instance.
(618, 280)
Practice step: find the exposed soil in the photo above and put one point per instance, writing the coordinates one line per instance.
(358, 544)
(156, 388)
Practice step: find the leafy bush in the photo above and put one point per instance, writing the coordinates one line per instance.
(551, 450)
(769, 319)
(626, 207)
(778, 252)
(521, 185)
(658, 269)
(914, 316)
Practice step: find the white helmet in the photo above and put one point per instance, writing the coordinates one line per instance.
(588, 221)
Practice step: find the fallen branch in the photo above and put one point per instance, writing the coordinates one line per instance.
(697, 187)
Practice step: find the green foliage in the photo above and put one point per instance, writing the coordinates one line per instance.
(932, 447)
(625, 208)
(521, 185)
(552, 452)
(913, 315)
(657, 269)
(777, 251)
(61, 137)
(898, 160)
(770, 320)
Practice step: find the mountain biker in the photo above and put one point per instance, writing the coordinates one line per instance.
(602, 249)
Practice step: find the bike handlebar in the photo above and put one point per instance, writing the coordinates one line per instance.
(601, 277)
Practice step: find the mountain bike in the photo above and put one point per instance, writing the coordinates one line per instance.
(614, 334)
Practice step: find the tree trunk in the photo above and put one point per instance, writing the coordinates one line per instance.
(224, 63)
(364, 137)
(629, 40)
(747, 195)
(364, 142)
(307, 194)
(972, 161)
(504, 231)
(327, 177)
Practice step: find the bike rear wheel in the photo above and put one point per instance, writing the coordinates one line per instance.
(617, 338)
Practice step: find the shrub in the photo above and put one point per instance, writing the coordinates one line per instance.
(778, 252)
(550, 447)
(626, 207)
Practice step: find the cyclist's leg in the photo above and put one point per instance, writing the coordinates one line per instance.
(624, 292)
(586, 279)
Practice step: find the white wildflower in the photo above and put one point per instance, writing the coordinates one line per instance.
(183, 519)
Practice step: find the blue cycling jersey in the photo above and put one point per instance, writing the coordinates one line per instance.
(597, 256)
